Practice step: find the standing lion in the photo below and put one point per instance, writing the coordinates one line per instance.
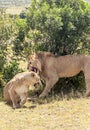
(52, 67)
(16, 89)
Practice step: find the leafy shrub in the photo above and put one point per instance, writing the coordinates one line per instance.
(2, 84)
(2, 59)
(62, 25)
(20, 36)
(11, 70)
(17, 48)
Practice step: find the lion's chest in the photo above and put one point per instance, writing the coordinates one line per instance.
(21, 89)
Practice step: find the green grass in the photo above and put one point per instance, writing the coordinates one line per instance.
(73, 114)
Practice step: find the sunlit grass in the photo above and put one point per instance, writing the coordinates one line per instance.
(73, 114)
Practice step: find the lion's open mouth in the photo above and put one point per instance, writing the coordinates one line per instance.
(34, 69)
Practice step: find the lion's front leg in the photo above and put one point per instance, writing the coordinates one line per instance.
(49, 84)
(23, 98)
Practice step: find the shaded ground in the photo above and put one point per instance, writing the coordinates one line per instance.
(56, 115)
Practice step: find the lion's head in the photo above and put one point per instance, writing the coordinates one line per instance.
(34, 63)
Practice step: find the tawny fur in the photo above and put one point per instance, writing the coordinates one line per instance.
(16, 89)
(53, 67)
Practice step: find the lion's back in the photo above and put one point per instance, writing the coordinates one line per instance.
(6, 93)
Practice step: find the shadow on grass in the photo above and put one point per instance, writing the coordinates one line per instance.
(50, 98)
(24, 107)
(32, 107)
(55, 97)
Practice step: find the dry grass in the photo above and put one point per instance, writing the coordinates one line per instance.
(73, 114)
(16, 9)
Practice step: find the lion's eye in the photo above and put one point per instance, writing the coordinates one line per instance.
(30, 62)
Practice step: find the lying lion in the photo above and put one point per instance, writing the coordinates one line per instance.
(16, 89)
(52, 67)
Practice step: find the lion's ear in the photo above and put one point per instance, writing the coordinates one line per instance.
(40, 55)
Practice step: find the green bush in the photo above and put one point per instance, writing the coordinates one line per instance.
(2, 59)
(2, 84)
(17, 46)
(59, 26)
(20, 36)
(11, 70)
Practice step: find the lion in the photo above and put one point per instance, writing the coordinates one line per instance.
(53, 67)
(17, 88)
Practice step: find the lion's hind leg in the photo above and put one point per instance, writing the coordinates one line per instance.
(14, 98)
(87, 87)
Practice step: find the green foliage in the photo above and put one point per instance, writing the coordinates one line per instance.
(2, 84)
(2, 59)
(7, 29)
(2, 63)
(17, 48)
(11, 70)
(22, 29)
(62, 24)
